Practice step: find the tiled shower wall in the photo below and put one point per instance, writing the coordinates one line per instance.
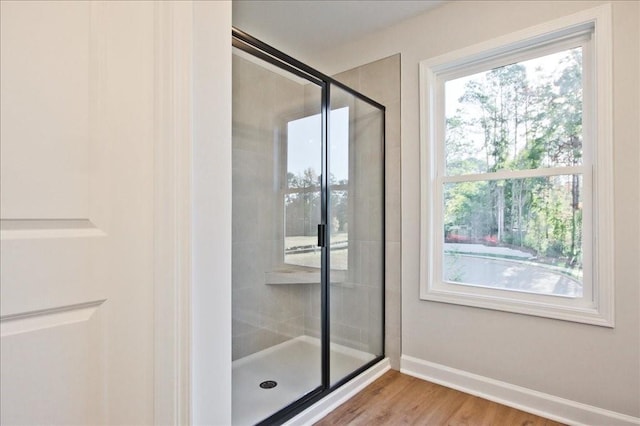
(380, 80)
(265, 315)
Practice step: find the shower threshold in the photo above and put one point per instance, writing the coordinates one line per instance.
(286, 372)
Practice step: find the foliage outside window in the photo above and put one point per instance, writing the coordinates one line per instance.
(510, 205)
(518, 234)
(302, 194)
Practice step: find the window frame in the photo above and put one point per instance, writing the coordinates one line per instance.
(597, 305)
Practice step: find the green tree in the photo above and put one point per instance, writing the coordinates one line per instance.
(508, 120)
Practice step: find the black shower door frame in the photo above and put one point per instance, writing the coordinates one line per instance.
(259, 49)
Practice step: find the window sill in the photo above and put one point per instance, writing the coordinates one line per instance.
(506, 302)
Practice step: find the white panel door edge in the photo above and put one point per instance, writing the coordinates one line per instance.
(172, 224)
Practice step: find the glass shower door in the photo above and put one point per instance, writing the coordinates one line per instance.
(308, 234)
(356, 251)
(277, 155)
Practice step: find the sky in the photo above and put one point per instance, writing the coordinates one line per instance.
(537, 69)
(304, 144)
(548, 65)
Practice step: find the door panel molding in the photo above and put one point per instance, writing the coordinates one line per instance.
(26, 229)
(47, 318)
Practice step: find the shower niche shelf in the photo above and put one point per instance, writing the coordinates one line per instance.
(301, 276)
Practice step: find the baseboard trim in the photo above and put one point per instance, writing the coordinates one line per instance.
(539, 403)
(338, 397)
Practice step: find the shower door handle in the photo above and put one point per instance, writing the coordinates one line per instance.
(321, 235)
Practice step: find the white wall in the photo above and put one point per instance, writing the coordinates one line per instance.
(211, 296)
(588, 364)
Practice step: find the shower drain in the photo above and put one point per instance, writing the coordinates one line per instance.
(268, 384)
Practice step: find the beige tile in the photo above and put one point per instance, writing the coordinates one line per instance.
(392, 218)
(392, 125)
(276, 306)
(392, 198)
(376, 214)
(314, 294)
(250, 343)
(341, 98)
(268, 338)
(292, 328)
(376, 267)
(289, 99)
(239, 347)
(356, 307)
(380, 80)
(350, 78)
(364, 267)
(245, 273)
(308, 289)
(247, 166)
(312, 99)
(336, 303)
(392, 303)
(295, 302)
(312, 326)
(346, 335)
(254, 90)
(375, 331)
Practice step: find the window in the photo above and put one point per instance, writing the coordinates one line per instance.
(516, 173)
(302, 200)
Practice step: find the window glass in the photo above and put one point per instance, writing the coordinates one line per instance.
(302, 200)
(523, 115)
(524, 234)
(516, 234)
(516, 166)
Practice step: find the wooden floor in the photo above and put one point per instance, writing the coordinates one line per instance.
(399, 399)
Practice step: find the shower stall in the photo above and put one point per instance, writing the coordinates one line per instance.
(308, 234)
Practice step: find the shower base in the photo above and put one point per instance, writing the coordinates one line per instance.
(295, 368)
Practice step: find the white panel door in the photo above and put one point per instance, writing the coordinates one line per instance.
(76, 206)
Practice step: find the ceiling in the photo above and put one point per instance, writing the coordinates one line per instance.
(296, 26)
